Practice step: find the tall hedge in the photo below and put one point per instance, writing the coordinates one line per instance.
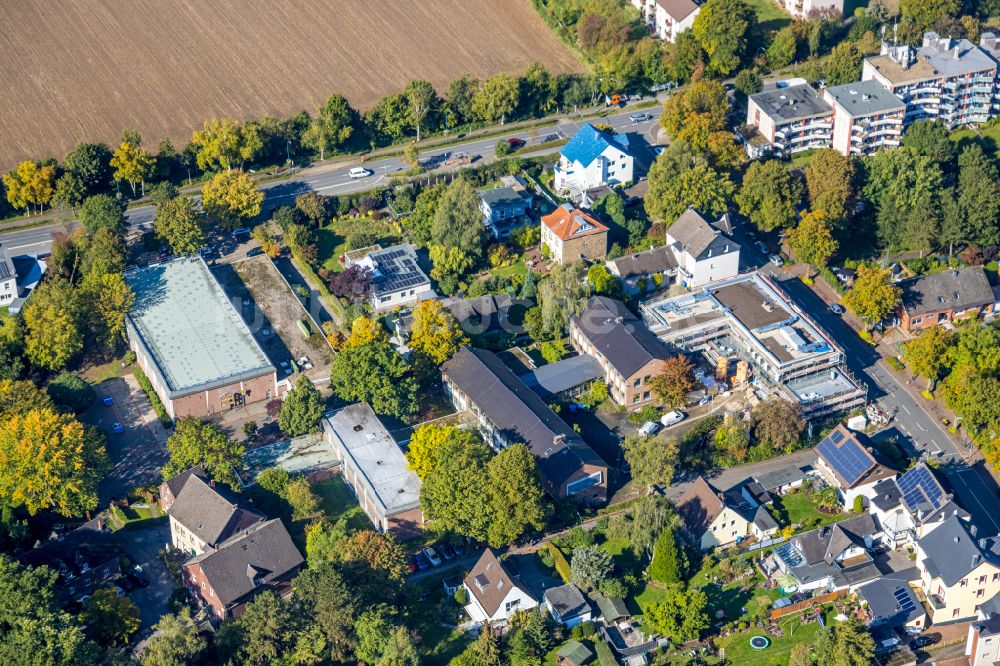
(562, 566)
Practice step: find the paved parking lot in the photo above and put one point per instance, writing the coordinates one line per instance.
(138, 453)
(143, 546)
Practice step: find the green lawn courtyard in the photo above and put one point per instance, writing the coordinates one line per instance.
(799, 509)
(738, 650)
(337, 501)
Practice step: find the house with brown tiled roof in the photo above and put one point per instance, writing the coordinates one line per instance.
(494, 593)
(717, 519)
(206, 513)
(945, 298)
(571, 235)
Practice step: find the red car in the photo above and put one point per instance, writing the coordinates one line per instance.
(515, 143)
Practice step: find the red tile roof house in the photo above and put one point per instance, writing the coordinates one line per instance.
(948, 297)
(236, 552)
(571, 235)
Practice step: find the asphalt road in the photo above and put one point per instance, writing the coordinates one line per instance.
(973, 485)
(339, 181)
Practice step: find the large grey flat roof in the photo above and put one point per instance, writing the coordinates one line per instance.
(193, 333)
(376, 455)
(863, 98)
(791, 103)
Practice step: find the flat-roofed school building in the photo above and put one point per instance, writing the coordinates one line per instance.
(191, 342)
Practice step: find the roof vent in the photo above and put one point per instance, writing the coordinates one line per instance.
(956, 539)
(358, 428)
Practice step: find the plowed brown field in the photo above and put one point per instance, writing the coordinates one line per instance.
(74, 70)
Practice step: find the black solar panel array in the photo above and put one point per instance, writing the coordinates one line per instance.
(920, 487)
(849, 459)
(903, 600)
(397, 270)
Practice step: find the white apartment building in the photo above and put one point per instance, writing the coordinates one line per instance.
(788, 119)
(951, 80)
(667, 18)
(801, 9)
(866, 117)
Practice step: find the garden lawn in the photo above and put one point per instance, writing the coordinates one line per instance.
(798, 508)
(801, 160)
(738, 650)
(331, 240)
(329, 246)
(769, 15)
(730, 598)
(337, 501)
(517, 268)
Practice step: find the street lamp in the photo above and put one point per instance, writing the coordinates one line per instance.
(288, 151)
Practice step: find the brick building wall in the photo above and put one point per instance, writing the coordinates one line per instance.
(592, 247)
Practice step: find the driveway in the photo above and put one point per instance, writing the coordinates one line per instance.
(138, 454)
(143, 546)
(726, 478)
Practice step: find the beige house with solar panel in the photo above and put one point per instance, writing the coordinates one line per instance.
(194, 347)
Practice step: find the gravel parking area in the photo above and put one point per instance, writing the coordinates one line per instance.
(272, 311)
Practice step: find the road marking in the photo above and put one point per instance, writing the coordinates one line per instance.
(975, 496)
(937, 448)
(922, 427)
(903, 407)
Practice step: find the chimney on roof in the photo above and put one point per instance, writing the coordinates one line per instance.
(956, 51)
(211, 483)
(972, 531)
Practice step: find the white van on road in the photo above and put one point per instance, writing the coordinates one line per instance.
(670, 418)
(359, 172)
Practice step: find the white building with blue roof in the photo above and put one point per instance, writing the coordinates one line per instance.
(591, 159)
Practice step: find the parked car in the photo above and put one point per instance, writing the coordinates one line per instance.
(761, 246)
(836, 308)
(241, 232)
(254, 251)
(776, 260)
(515, 142)
(107, 400)
(458, 549)
(924, 641)
(670, 418)
(649, 428)
(421, 561)
(359, 172)
(887, 645)
(447, 551)
(432, 556)
(639, 117)
(118, 428)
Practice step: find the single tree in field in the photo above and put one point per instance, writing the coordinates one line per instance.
(652, 460)
(179, 224)
(421, 98)
(332, 126)
(231, 196)
(131, 162)
(196, 442)
(777, 423)
(674, 381)
(496, 98)
(435, 334)
(812, 240)
(110, 618)
(50, 460)
(302, 409)
(873, 297)
(926, 354)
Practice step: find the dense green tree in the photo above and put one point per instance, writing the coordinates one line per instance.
(421, 100)
(231, 197)
(313, 206)
(930, 138)
(680, 616)
(454, 495)
(723, 27)
(461, 92)
(748, 82)
(830, 184)
(70, 392)
(516, 499)
(328, 603)
(926, 354)
(845, 644)
(34, 629)
(373, 629)
(777, 423)
(484, 651)
(977, 347)
(979, 195)
(104, 252)
(590, 566)
(652, 460)
(178, 223)
(435, 334)
(781, 51)
(195, 442)
(390, 118)
(458, 222)
(678, 180)
(427, 446)
(769, 195)
(110, 619)
(103, 211)
(812, 240)
(54, 324)
(843, 65)
(70, 191)
(904, 188)
(332, 127)
(375, 373)
(225, 144)
(263, 633)
(302, 408)
(175, 642)
(91, 164)
(668, 565)
(400, 650)
(872, 296)
(926, 14)
(496, 98)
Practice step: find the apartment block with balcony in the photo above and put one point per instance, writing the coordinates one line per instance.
(952, 80)
(788, 119)
(667, 18)
(802, 9)
(866, 117)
